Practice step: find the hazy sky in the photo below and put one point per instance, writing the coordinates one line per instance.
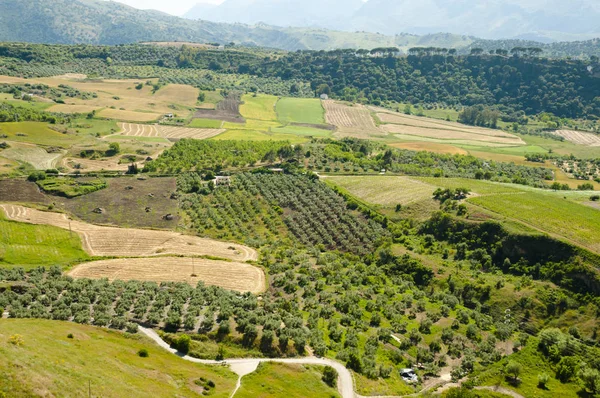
(173, 7)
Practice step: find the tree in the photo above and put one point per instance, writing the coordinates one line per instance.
(566, 369)
(183, 343)
(113, 149)
(330, 376)
(591, 379)
(513, 369)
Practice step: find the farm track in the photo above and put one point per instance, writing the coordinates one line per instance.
(241, 277)
(119, 242)
(174, 132)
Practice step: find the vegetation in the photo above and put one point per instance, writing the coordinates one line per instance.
(69, 187)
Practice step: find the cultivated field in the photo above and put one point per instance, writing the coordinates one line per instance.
(131, 116)
(21, 191)
(97, 360)
(579, 137)
(261, 107)
(355, 121)
(63, 108)
(241, 277)
(228, 110)
(173, 132)
(300, 110)
(385, 190)
(37, 133)
(456, 136)
(431, 147)
(37, 157)
(87, 165)
(109, 241)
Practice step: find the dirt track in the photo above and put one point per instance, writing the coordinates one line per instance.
(120, 242)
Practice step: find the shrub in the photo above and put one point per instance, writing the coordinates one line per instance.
(591, 380)
(37, 176)
(330, 376)
(566, 369)
(182, 343)
(16, 339)
(70, 336)
(514, 369)
(595, 198)
(143, 353)
(543, 380)
(588, 186)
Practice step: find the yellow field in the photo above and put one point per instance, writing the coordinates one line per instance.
(431, 147)
(62, 108)
(177, 94)
(450, 135)
(261, 107)
(129, 115)
(117, 242)
(351, 121)
(236, 276)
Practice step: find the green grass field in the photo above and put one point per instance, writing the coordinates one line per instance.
(300, 110)
(30, 246)
(385, 190)
(37, 133)
(261, 107)
(205, 123)
(282, 380)
(95, 360)
(554, 215)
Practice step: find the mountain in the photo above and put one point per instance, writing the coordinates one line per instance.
(330, 14)
(542, 20)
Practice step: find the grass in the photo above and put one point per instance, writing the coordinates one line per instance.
(205, 123)
(533, 363)
(300, 110)
(103, 361)
(255, 135)
(284, 380)
(261, 107)
(30, 246)
(303, 131)
(130, 116)
(37, 133)
(385, 190)
(563, 147)
(477, 186)
(554, 215)
(392, 386)
(69, 187)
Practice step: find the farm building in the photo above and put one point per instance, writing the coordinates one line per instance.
(223, 181)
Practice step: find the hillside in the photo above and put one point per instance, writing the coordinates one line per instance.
(102, 22)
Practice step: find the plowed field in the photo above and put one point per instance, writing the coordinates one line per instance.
(145, 130)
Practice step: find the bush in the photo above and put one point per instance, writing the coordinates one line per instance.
(37, 176)
(143, 353)
(588, 186)
(70, 336)
(566, 369)
(591, 380)
(514, 369)
(330, 376)
(182, 344)
(595, 198)
(16, 339)
(543, 380)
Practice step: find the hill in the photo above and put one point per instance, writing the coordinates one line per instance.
(102, 22)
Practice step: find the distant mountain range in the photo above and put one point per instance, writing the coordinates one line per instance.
(540, 20)
(108, 22)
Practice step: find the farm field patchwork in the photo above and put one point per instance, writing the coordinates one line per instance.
(110, 241)
(77, 366)
(241, 277)
(300, 110)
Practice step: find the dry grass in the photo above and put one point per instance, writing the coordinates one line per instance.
(401, 131)
(32, 154)
(355, 121)
(385, 190)
(431, 147)
(111, 164)
(178, 94)
(110, 241)
(579, 137)
(145, 130)
(129, 115)
(236, 276)
(63, 108)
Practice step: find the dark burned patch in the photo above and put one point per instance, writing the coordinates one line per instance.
(128, 202)
(227, 110)
(21, 191)
(315, 126)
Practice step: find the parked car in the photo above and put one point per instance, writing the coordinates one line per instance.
(409, 376)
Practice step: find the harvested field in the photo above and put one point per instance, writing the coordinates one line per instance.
(227, 110)
(21, 191)
(385, 190)
(63, 108)
(401, 131)
(431, 147)
(84, 164)
(351, 120)
(241, 277)
(173, 132)
(128, 202)
(177, 94)
(129, 115)
(32, 154)
(117, 242)
(579, 137)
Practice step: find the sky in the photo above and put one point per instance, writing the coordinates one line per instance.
(173, 7)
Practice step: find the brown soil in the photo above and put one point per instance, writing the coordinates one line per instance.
(227, 110)
(21, 191)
